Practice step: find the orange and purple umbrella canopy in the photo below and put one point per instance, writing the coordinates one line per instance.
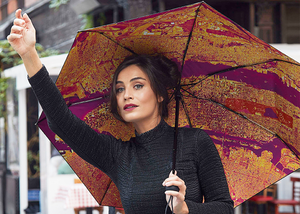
(244, 93)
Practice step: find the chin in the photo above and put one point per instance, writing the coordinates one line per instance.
(130, 120)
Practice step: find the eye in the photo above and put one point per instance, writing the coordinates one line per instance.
(138, 86)
(119, 90)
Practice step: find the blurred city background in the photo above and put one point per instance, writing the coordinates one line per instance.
(33, 176)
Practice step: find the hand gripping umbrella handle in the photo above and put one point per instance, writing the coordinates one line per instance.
(172, 188)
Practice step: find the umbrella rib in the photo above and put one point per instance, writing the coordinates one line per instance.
(87, 101)
(188, 41)
(245, 117)
(241, 115)
(229, 109)
(105, 192)
(287, 145)
(126, 48)
(76, 103)
(237, 67)
(186, 112)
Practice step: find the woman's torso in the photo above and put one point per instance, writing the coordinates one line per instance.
(146, 162)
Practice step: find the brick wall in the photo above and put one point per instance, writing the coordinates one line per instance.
(12, 6)
(56, 28)
(28, 3)
(138, 8)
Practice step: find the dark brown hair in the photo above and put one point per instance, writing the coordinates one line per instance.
(162, 72)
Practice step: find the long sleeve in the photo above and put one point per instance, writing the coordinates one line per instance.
(212, 179)
(97, 149)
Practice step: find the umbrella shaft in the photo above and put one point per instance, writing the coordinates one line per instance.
(177, 98)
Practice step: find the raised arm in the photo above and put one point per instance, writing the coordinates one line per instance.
(23, 38)
(86, 142)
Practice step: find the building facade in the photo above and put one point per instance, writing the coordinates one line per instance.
(274, 21)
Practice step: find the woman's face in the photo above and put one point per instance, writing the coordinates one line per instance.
(136, 100)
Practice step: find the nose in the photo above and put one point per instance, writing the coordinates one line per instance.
(128, 95)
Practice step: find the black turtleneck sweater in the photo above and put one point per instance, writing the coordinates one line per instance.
(138, 167)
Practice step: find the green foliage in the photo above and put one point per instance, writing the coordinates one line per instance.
(102, 19)
(87, 20)
(44, 53)
(3, 87)
(9, 58)
(57, 3)
(33, 164)
(33, 156)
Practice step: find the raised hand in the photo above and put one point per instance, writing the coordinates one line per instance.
(23, 38)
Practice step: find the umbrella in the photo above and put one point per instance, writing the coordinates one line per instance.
(244, 93)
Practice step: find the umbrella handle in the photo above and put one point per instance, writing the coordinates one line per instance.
(172, 188)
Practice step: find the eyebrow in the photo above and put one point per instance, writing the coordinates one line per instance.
(133, 79)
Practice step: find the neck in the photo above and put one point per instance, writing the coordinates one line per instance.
(146, 126)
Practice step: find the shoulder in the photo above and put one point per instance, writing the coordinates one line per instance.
(197, 139)
(198, 134)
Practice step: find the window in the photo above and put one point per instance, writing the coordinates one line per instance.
(292, 23)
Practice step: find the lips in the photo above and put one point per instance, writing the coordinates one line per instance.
(129, 107)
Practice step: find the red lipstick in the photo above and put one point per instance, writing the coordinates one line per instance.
(129, 107)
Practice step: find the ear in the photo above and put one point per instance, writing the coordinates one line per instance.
(160, 99)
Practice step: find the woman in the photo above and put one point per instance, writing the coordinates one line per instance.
(140, 167)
